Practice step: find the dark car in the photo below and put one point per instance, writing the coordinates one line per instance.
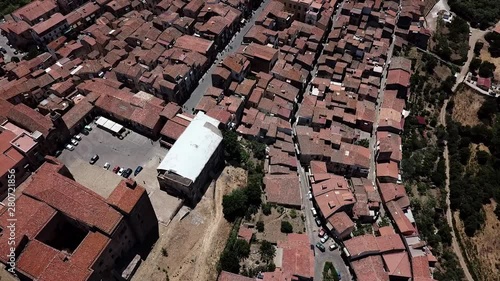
(116, 169)
(2, 49)
(320, 247)
(137, 170)
(127, 173)
(318, 222)
(58, 153)
(16, 52)
(85, 132)
(94, 159)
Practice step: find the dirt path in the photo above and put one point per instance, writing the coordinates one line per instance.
(454, 242)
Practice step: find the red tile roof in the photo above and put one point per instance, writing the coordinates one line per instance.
(398, 264)
(298, 257)
(245, 233)
(228, 276)
(73, 199)
(172, 130)
(398, 76)
(370, 269)
(126, 195)
(35, 258)
(402, 222)
(283, 189)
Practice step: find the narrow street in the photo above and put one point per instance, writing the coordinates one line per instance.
(449, 214)
(206, 80)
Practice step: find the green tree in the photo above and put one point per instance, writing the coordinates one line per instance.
(363, 142)
(286, 227)
(241, 248)
(267, 251)
(234, 204)
(486, 69)
(266, 209)
(329, 272)
(474, 65)
(478, 47)
(232, 147)
(482, 157)
(260, 226)
(230, 262)
(487, 110)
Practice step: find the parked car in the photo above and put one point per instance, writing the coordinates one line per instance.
(324, 239)
(74, 142)
(313, 211)
(57, 153)
(94, 159)
(70, 147)
(321, 232)
(85, 132)
(127, 173)
(137, 170)
(88, 127)
(116, 169)
(318, 222)
(333, 246)
(77, 137)
(2, 49)
(16, 52)
(106, 166)
(320, 247)
(120, 172)
(309, 195)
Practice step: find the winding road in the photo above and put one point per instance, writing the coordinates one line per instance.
(449, 215)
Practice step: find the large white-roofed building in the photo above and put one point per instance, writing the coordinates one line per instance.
(193, 159)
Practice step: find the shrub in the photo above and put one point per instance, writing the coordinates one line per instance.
(266, 209)
(267, 251)
(260, 226)
(293, 213)
(286, 227)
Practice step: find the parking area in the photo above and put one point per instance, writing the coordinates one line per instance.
(132, 151)
(9, 51)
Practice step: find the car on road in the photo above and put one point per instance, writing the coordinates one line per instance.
(321, 232)
(2, 49)
(94, 159)
(309, 195)
(313, 211)
(74, 142)
(77, 137)
(16, 52)
(85, 132)
(106, 166)
(58, 153)
(70, 147)
(320, 247)
(120, 172)
(88, 127)
(137, 170)
(324, 239)
(116, 169)
(333, 246)
(318, 222)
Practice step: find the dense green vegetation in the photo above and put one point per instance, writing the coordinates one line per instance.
(494, 40)
(267, 251)
(230, 257)
(451, 40)
(9, 6)
(481, 13)
(286, 227)
(472, 186)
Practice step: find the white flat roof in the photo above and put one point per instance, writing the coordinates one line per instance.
(190, 153)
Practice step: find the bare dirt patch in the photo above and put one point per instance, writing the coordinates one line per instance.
(272, 224)
(485, 56)
(484, 248)
(467, 103)
(189, 248)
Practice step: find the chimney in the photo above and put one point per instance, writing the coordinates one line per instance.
(130, 183)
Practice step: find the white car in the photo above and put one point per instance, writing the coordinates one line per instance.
(309, 195)
(70, 147)
(333, 246)
(120, 172)
(74, 142)
(77, 137)
(324, 239)
(106, 166)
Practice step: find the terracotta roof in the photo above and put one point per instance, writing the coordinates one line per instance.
(370, 269)
(402, 222)
(228, 276)
(283, 189)
(126, 195)
(341, 222)
(245, 233)
(398, 264)
(29, 119)
(298, 257)
(172, 130)
(188, 42)
(44, 26)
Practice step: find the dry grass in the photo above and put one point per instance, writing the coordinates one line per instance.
(272, 224)
(484, 247)
(194, 244)
(485, 56)
(467, 103)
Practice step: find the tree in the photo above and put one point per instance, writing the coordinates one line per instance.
(329, 272)
(232, 147)
(241, 248)
(474, 65)
(431, 64)
(266, 209)
(234, 204)
(258, 149)
(260, 226)
(363, 143)
(478, 47)
(486, 69)
(267, 251)
(229, 262)
(286, 227)
(482, 157)
(487, 110)
(254, 194)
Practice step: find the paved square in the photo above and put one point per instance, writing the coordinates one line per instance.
(132, 151)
